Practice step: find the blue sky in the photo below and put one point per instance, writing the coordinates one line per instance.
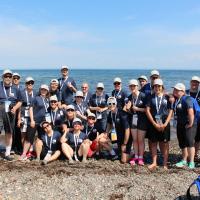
(100, 34)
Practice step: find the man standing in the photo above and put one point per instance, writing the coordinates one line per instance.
(86, 93)
(9, 103)
(67, 86)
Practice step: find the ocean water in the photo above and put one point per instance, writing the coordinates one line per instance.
(92, 76)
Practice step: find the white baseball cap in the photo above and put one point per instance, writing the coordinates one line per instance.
(133, 82)
(7, 71)
(79, 94)
(64, 67)
(53, 98)
(29, 78)
(180, 86)
(155, 72)
(100, 85)
(44, 86)
(117, 79)
(158, 82)
(91, 115)
(111, 100)
(76, 120)
(195, 78)
(44, 122)
(70, 107)
(16, 74)
(54, 81)
(143, 77)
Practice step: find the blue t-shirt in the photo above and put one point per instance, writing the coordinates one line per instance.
(10, 93)
(40, 108)
(51, 144)
(66, 92)
(72, 140)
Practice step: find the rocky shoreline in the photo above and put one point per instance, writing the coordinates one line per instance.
(100, 179)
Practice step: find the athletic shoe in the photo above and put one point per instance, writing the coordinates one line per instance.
(181, 164)
(23, 157)
(191, 165)
(30, 154)
(71, 162)
(44, 162)
(133, 161)
(114, 157)
(141, 161)
(8, 158)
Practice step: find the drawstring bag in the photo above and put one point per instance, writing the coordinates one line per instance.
(197, 183)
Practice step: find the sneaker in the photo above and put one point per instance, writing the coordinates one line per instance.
(71, 162)
(141, 161)
(8, 158)
(191, 165)
(181, 164)
(114, 157)
(44, 162)
(30, 154)
(133, 161)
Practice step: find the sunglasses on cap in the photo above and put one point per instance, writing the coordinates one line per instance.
(93, 118)
(53, 101)
(99, 88)
(111, 104)
(117, 83)
(7, 76)
(30, 83)
(70, 110)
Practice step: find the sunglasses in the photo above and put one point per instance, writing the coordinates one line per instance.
(79, 97)
(53, 101)
(7, 76)
(76, 123)
(93, 118)
(44, 127)
(70, 110)
(132, 85)
(117, 83)
(99, 88)
(30, 83)
(111, 104)
(16, 78)
(84, 87)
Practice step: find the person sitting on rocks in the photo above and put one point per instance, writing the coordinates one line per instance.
(48, 146)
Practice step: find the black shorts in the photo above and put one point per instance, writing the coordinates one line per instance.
(120, 141)
(7, 119)
(155, 136)
(186, 137)
(141, 124)
(197, 137)
(30, 134)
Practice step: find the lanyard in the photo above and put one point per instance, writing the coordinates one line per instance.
(53, 116)
(45, 104)
(113, 122)
(27, 97)
(50, 141)
(158, 104)
(99, 101)
(4, 89)
(88, 132)
(135, 100)
(85, 97)
(69, 123)
(175, 105)
(197, 94)
(76, 138)
(62, 83)
(81, 109)
(116, 94)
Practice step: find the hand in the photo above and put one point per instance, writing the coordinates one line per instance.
(163, 126)
(188, 126)
(13, 110)
(128, 105)
(135, 108)
(69, 84)
(32, 124)
(98, 109)
(78, 113)
(158, 127)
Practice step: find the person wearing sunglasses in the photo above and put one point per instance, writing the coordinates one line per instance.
(80, 108)
(39, 110)
(138, 121)
(194, 92)
(86, 93)
(119, 93)
(57, 114)
(67, 125)
(48, 147)
(27, 132)
(75, 144)
(118, 129)
(159, 111)
(10, 102)
(67, 86)
(98, 105)
(16, 80)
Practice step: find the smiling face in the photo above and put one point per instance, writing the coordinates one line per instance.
(158, 89)
(64, 72)
(7, 79)
(16, 80)
(43, 92)
(53, 86)
(29, 85)
(133, 88)
(194, 85)
(84, 88)
(117, 85)
(178, 93)
(143, 82)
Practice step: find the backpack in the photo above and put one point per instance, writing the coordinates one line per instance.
(196, 107)
(197, 183)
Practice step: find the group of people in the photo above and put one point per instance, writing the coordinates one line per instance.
(61, 121)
